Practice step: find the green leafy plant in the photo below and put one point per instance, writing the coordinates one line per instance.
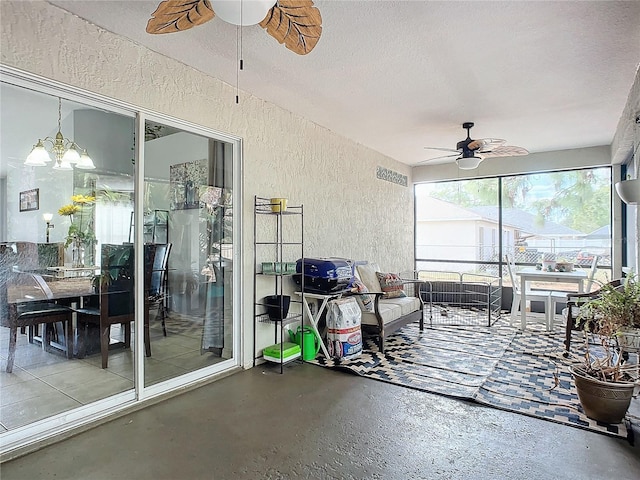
(616, 307)
(608, 315)
(102, 281)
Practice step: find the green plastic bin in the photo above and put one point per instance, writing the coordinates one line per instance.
(290, 351)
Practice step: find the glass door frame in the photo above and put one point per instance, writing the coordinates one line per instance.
(150, 391)
(48, 430)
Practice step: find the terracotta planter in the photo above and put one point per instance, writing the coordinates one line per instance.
(605, 402)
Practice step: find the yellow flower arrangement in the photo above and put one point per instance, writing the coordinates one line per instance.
(68, 210)
(83, 199)
(82, 234)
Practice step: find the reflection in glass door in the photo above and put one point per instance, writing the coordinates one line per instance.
(55, 239)
(187, 230)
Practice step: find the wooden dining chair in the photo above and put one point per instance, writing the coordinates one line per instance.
(157, 275)
(33, 308)
(45, 333)
(572, 311)
(113, 304)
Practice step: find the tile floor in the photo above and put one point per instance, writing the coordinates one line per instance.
(47, 383)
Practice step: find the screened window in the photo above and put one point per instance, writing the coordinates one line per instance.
(565, 216)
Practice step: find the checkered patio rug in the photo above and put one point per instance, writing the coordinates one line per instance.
(177, 324)
(496, 366)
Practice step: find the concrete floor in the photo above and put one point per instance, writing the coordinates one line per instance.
(316, 423)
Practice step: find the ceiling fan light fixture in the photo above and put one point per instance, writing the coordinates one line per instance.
(297, 24)
(468, 163)
(484, 147)
(242, 12)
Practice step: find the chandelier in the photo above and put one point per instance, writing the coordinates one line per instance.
(64, 150)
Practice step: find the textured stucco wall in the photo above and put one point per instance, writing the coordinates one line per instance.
(624, 149)
(622, 146)
(348, 212)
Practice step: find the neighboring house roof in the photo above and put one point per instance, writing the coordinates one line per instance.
(433, 209)
(527, 222)
(602, 232)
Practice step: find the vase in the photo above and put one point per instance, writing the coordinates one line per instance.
(77, 254)
(605, 402)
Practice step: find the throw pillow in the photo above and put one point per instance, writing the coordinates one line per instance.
(367, 274)
(364, 301)
(391, 285)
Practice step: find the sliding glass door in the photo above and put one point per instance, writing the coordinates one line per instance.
(188, 231)
(60, 220)
(118, 239)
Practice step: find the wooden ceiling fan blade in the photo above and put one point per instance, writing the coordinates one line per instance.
(296, 23)
(506, 151)
(178, 15)
(483, 144)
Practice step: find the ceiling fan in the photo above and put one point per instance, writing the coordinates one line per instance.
(296, 23)
(471, 152)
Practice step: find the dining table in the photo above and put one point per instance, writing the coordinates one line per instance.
(60, 289)
(68, 292)
(531, 274)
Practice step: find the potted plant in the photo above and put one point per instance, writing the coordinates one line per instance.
(564, 265)
(604, 379)
(548, 261)
(101, 281)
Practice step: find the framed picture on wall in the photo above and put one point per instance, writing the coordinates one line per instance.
(185, 180)
(30, 200)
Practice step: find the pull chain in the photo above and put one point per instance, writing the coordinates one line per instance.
(240, 64)
(237, 64)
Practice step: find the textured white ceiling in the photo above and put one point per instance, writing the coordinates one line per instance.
(400, 75)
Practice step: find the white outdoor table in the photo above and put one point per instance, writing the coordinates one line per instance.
(314, 319)
(532, 274)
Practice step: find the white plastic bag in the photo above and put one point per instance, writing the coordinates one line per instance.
(344, 335)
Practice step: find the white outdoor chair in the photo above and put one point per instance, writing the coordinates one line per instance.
(532, 295)
(561, 297)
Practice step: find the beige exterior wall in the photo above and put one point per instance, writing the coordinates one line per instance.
(448, 239)
(348, 211)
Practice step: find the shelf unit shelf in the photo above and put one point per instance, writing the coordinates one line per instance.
(275, 274)
(264, 318)
(274, 238)
(276, 243)
(264, 208)
(155, 227)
